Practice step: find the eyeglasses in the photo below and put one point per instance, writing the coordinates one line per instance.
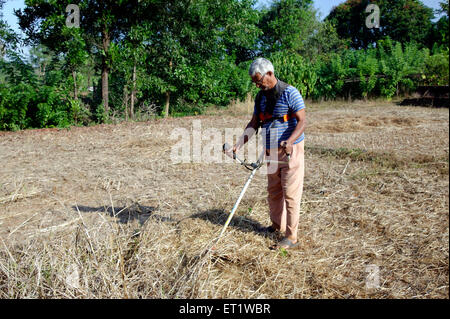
(260, 80)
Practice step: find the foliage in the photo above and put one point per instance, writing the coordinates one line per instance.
(323, 41)
(30, 99)
(398, 64)
(401, 20)
(188, 52)
(295, 70)
(181, 56)
(436, 68)
(8, 39)
(441, 27)
(286, 25)
(367, 67)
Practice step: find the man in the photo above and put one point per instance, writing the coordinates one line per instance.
(280, 111)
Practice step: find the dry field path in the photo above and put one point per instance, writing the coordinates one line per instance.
(103, 212)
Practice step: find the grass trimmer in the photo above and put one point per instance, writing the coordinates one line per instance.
(253, 167)
(199, 262)
(210, 251)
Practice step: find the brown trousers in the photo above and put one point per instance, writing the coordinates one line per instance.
(285, 188)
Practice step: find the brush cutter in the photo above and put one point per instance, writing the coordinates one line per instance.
(253, 167)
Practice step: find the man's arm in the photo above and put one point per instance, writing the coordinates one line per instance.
(249, 131)
(298, 131)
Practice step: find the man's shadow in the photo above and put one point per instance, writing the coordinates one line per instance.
(219, 217)
(126, 214)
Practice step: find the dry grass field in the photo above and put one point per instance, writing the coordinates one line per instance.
(102, 212)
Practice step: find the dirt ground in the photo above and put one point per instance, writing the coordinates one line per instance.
(103, 212)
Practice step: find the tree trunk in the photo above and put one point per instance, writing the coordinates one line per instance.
(105, 89)
(105, 70)
(125, 100)
(89, 77)
(75, 89)
(42, 72)
(166, 108)
(133, 91)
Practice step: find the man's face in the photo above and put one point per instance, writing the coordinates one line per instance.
(261, 81)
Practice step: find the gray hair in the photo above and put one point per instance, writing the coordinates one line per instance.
(261, 66)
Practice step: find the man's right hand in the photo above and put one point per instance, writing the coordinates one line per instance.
(228, 151)
(232, 150)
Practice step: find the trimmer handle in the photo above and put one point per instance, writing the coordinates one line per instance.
(226, 147)
(287, 155)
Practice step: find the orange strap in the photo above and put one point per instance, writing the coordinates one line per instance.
(266, 117)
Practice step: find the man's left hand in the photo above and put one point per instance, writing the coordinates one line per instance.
(287, 147)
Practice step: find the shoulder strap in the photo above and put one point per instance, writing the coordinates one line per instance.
(281, 87)
(258, 101)
(272, 101)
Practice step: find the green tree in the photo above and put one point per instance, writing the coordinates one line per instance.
(401, 20)
(295, 70)
(186, 40)
(324, 40)
(398, 63)
(30, 99)
(40, 58)
(75, 55)
(101, 22)
(332, 71)
(286, 25)
(441, 27)
(8, 38)
(367, 68)
(435, 70)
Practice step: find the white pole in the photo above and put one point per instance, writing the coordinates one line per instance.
(237, 204)
(240, 196)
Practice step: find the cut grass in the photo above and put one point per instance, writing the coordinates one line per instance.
(383, 159)
(114, 220)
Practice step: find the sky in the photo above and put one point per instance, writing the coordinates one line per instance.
(8, 12)
(323, 6)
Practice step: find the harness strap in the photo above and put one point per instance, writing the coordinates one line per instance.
(265, 118)
(270, 105)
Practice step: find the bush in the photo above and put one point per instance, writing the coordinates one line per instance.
(14, 106)
(436, 70)
(295, 70)
(52, 109)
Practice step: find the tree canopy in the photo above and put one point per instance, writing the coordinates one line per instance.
(135, 59)
(401, 20)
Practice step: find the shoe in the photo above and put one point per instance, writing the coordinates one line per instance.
(285, 243)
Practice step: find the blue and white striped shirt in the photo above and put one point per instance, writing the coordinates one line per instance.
(276, 131)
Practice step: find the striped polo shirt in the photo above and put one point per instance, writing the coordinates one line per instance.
(276, 131)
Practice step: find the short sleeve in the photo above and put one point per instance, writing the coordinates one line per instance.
(296, 102)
